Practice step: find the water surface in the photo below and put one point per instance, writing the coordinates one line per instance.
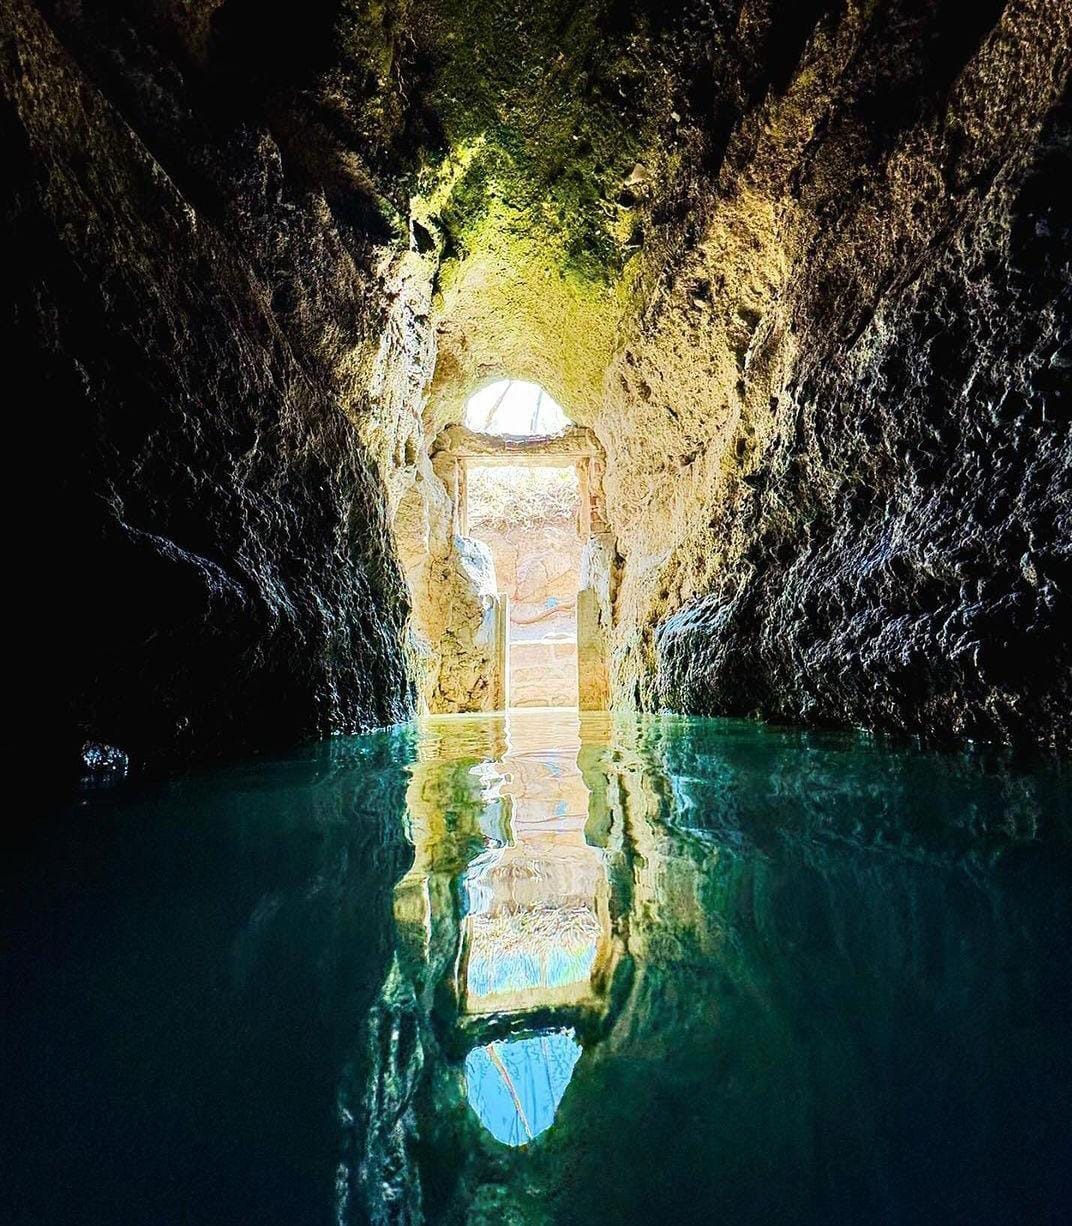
(549, 969)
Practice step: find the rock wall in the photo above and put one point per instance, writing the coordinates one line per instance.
(858, 370)
(803, 268)
(193, 328)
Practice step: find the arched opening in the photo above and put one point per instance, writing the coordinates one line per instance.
(514, 408)
(510, 564)
(524, 486)
(528, 514)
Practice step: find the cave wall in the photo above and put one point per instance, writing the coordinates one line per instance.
(802, 267)
(197, 330)
(858, 368)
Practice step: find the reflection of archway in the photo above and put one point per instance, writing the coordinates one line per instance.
(508, 917)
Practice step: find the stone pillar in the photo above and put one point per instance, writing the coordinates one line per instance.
(598, 518)
(501, 680)
(593, 681)
(448, 469)
(462, 497)
(584, 499)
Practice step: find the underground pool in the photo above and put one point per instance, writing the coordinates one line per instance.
(548, 967)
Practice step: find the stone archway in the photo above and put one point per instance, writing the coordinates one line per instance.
(485, 652)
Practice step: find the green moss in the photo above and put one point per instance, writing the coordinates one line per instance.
(542, 92)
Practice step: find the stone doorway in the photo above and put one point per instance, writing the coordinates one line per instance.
(529, 518)
(516, 601)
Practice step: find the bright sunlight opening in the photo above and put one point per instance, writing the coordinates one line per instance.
(514, 409)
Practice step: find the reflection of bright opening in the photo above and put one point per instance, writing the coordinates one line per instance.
(516, 408)
(536, 922)
(537, 918)
(515, 1087)
(548, 947)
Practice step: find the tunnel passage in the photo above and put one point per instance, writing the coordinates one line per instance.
(806, 283)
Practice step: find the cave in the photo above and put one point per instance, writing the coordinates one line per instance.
(551, 591)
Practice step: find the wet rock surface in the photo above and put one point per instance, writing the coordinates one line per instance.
(897, 551)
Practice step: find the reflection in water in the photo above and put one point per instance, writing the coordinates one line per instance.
(535, 920)
(531, 904)
(701, 966)
(548, 970)
(515, 1087)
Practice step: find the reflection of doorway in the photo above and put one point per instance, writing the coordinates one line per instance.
(529, 517)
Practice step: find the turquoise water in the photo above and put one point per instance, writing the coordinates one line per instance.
(544, 969)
